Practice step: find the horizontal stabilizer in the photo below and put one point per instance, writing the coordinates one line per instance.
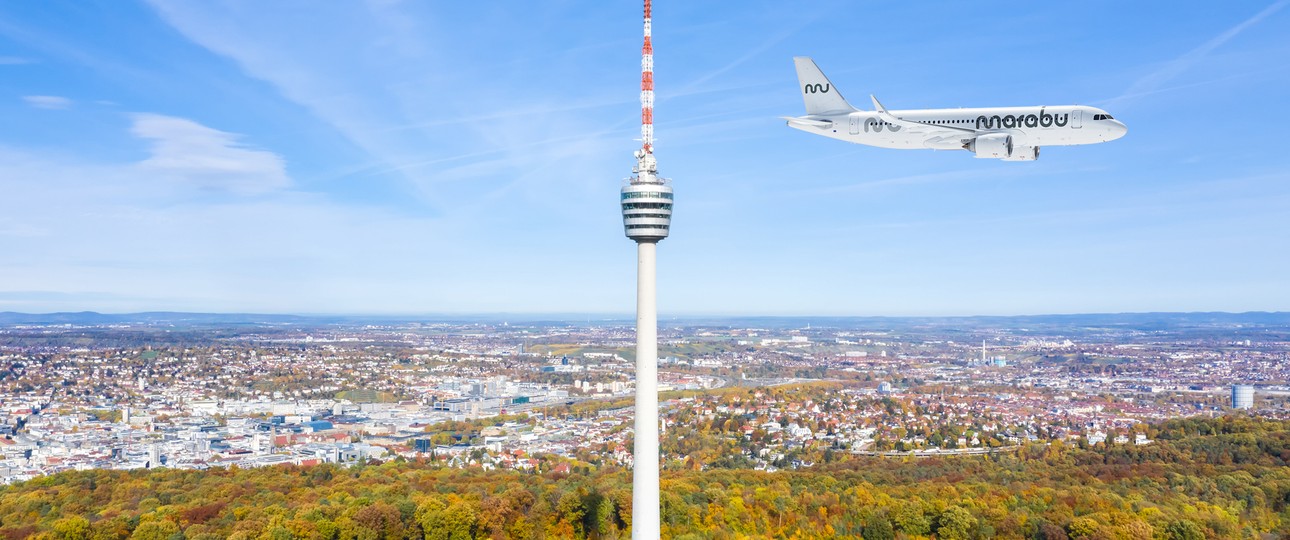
(809, 122)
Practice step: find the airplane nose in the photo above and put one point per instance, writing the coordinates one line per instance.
(1120, 129)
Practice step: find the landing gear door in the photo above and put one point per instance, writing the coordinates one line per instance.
(1077, 119)
(855, 124)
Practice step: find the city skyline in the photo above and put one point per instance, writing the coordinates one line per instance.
(401, 159)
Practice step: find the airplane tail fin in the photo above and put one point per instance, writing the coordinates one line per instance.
(820, 95)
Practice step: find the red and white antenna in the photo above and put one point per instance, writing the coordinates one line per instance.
(647, 88)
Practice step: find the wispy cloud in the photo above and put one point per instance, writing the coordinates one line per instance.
(208, 158)
(48, 102)
(397, 125)
(693, 86)
(119, 228)
(1237, 76)
(697, 86)
(15, 61)
(1157, 79)
(63, 48)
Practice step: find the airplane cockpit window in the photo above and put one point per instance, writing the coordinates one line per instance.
(1103, 117)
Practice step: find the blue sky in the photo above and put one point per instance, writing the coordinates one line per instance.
(463, 157)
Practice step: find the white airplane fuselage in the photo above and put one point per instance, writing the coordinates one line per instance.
(1008, 133)
(1037, 126)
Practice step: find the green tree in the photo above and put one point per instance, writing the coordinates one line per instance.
(155, 530)
(459, 520)
(878, 528)
(72, 528)
(570, 509)
(1082, 527)
(955, 523)
(1184, 529)
(909, 519)
(430, 516)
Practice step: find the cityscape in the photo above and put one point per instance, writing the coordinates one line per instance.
(179, 392)
(357, 271)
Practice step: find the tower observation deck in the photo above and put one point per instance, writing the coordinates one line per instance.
(647, 202)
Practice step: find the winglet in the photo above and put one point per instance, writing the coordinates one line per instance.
(887, 116)
(876, 105)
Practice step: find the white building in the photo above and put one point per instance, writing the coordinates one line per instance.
(1242, 396)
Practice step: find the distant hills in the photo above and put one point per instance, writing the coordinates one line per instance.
(1141, 321)
(178, 318)
(152, 317)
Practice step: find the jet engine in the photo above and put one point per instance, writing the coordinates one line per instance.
(1023, 153)
(993, 145)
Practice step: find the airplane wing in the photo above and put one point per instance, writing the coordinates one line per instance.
(950, 141)
(915, 126)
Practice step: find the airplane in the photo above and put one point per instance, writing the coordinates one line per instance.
(1006, 133)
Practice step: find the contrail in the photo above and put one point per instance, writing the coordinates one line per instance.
(1155, 80)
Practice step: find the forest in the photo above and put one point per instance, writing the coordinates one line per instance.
(1201, 478)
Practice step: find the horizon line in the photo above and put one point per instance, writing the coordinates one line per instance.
(623, 315)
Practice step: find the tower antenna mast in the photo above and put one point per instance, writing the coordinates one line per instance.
(647, 86)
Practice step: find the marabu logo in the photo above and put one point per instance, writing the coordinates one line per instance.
(816, 88)
(877, 126)
(1042, 119)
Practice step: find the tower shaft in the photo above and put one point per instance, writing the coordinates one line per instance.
(645, 490)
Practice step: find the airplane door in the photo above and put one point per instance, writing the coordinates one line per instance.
(855, 124)
(1077, 118)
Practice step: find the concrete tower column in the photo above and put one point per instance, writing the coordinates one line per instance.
(645, 491)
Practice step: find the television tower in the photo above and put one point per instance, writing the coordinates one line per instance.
(647, 214)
